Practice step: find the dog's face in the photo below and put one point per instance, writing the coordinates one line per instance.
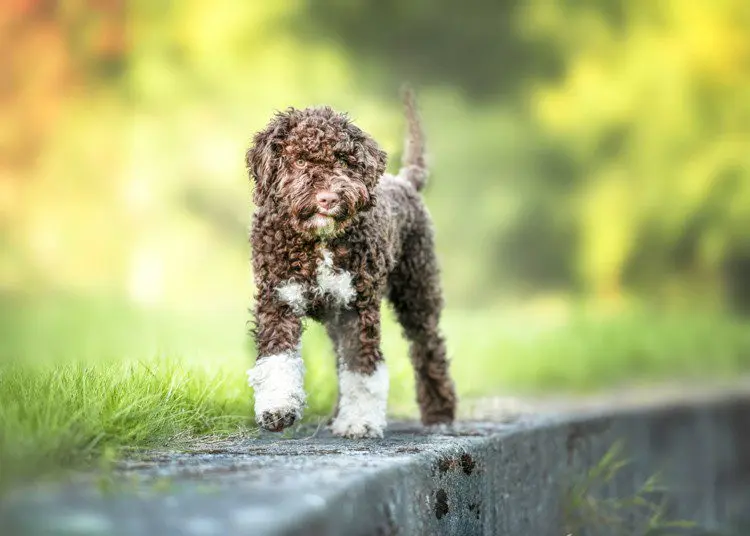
(315, 167)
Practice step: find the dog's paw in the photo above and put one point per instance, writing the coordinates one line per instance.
(438, 418)
(362, 405)
(279, 390)
(277, 420)
(356, 430)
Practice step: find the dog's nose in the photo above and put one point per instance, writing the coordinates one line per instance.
(327, 200)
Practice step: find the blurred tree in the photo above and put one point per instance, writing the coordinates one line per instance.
(656, 111)
(598, 145)
(476, 45)
(51, 49)
(53, 52)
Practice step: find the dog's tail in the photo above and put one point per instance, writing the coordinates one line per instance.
(413, 166)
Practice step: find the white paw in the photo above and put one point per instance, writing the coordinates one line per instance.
(278, 381)
(356, 430)
(362, 403)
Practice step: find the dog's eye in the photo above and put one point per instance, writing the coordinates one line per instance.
(299, 163)
(343, 161)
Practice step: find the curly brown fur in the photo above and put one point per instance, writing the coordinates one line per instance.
(335, 263)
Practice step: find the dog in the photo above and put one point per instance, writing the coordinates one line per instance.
(332, 235)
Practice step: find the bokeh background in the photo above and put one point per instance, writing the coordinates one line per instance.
(590, 150)
(591, 186)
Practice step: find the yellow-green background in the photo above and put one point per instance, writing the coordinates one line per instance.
(591, 194)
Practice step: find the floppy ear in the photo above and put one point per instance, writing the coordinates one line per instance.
(262, 159)
(371, 156)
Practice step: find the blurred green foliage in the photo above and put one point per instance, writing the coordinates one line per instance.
(592, 149)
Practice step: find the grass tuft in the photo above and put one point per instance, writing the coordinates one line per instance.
(60, 415)
(588, 510)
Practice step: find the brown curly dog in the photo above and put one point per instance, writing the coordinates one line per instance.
(333, 234)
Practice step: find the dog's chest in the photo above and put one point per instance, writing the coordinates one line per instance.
(331, 287)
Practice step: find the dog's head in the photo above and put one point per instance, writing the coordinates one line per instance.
(316, 167)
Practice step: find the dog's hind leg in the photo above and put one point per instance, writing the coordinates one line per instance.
(414, 291)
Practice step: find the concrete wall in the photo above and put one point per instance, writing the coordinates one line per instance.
(517, 482)
(479, 478)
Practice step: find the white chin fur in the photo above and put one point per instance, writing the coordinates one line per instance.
(278, 382)
(362, 404)
(319, 220)
(324, 225)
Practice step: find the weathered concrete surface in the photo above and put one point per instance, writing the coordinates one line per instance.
(480, 478)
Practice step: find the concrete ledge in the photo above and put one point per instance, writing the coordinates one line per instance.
(481, 478)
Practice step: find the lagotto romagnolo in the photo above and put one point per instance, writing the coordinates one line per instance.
(332, 235)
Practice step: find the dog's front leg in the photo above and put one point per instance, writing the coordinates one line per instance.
(278, 375)
(363, 377)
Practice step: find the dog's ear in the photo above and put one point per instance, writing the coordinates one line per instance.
(370, 156)
(262, 159)
(376, 159)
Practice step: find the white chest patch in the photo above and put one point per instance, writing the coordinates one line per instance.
(293, 294)
(337, 285)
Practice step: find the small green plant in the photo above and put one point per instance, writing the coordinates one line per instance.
(587, 510)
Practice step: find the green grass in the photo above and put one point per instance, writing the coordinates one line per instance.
(57, 416)
(78, 377)
(589, 509)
